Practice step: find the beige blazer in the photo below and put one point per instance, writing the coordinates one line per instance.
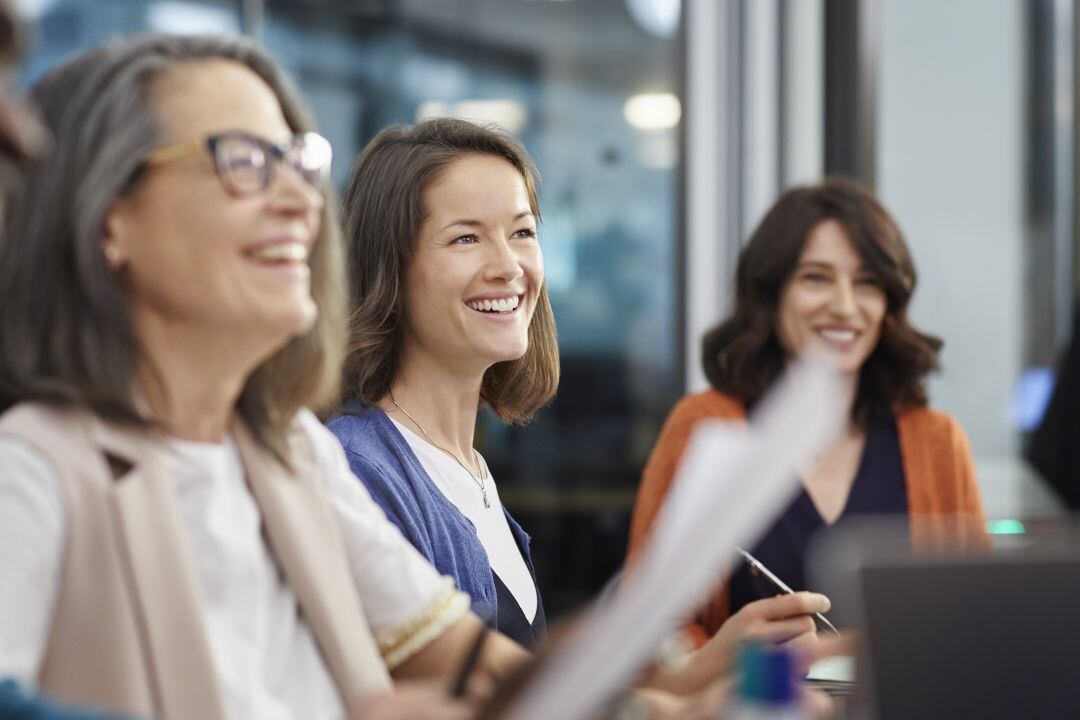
(127, 633)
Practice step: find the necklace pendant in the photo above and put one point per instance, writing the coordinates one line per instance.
(487, 503)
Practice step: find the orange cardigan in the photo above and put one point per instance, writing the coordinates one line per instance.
(938, 471)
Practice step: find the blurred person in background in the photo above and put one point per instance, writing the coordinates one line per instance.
(827, 268)
(179, 537)
(1054, 448)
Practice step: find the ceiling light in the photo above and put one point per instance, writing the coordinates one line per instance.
(653, 111)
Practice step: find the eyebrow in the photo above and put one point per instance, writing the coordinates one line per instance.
(814, 263)
(476, 223)
(828, 266)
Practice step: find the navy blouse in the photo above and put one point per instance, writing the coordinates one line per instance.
(878, 488)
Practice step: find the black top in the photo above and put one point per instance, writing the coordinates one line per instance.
(510, 619)
(878, 488)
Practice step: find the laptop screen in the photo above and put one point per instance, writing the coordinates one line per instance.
(980, 637)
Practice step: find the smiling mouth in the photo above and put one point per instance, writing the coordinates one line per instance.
(280, 253)
(839, 336)
(502, 306)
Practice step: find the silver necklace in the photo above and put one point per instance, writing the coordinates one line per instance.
(481, 480)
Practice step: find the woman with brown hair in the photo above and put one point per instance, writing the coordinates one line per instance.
(449, 311)
(827, 269)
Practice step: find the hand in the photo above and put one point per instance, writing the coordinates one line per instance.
(412, 701)
(717, 699)
(784, 619)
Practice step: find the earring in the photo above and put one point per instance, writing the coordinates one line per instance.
(113, 255)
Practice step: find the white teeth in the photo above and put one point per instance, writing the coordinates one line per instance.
(501, 305)
(842, 336)
(295, 252)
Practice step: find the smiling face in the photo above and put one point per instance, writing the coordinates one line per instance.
(831, 300)
(474, 278)
(197, 257)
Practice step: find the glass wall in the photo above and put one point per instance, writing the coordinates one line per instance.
(590, 87)
(959, 166)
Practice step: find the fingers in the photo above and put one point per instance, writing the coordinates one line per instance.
(802, 645)
(784, 606)
(780, 631)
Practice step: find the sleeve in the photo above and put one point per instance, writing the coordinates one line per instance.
(408, 604)
(31, 548)
(655, 482)
(969, 497)
(398, 503)
(659, 471)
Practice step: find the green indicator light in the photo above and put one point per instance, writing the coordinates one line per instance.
(1005, 527)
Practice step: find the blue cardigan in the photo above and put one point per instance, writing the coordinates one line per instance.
(383, 460)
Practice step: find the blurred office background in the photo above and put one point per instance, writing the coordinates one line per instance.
(663, 129)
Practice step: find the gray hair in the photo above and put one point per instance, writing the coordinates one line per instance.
(65, 318)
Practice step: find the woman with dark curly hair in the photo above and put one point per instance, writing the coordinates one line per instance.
(827, 268)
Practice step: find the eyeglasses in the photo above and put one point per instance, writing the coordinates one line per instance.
(245, 162)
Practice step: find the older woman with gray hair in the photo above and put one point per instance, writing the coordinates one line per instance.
(179, 537)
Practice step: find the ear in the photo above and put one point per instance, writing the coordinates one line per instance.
(116, 234)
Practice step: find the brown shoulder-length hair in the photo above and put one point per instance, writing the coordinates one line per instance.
(382, 212)
(743, 356)
(66, 332)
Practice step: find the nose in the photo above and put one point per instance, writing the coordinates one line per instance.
(843, 298)
(291, 194)
(503, 263)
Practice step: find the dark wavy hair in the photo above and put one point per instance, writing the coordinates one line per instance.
(382, 212)
(743, 356)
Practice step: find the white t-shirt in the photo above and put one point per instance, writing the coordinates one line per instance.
(267, 661)
(460, 488)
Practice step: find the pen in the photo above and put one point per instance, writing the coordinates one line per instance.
(781, 587)
(469, 663)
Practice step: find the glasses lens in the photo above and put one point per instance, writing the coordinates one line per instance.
(310, 156)
(243, 163)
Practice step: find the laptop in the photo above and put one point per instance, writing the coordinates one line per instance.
(985, 636)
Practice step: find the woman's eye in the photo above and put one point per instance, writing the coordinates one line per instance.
(868, 282)
(815, 277)
(464, 240)
(525, 233)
